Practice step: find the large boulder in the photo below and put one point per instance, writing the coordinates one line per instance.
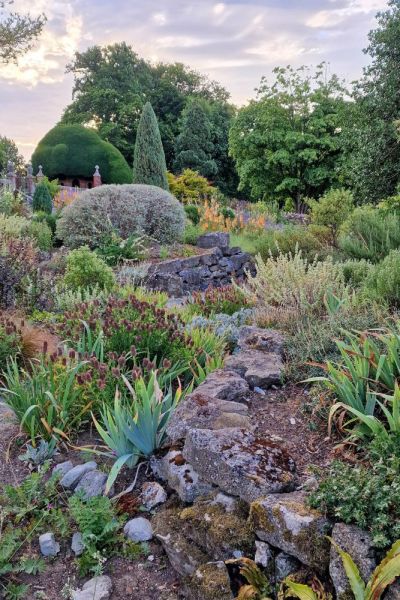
(257, 338)
(216, 239)
(358, 544)
(240, 463)
(286, 522)
(200, 411)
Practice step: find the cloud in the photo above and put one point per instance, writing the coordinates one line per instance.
(234, 41)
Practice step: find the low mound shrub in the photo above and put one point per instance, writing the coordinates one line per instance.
(383, 282)
(124, 210)
(332, 209)
(87, 270)
(356, 272)
(288, 240)
(370, 234)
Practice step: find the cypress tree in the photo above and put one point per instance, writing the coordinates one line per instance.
(149, 166)
(194, 145)
(41, 199)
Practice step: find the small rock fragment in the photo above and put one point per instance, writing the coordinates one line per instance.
(63, 468)
(72, 478)
(264, 555)
(48, 544)
(139, 530)
(153, 494)
(285, 565)
(92, 484)
(98, 588)
(77, 545)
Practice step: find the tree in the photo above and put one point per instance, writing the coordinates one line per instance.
(112, 84)
(372, 133)
(9, 152)
(17, 32)
(194, 145)
(74, 151)
(287, 144)
(42, 199)
(149, 165)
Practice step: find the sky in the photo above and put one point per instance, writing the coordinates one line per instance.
(235, 42)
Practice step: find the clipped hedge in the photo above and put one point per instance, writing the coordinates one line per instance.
(124, 209)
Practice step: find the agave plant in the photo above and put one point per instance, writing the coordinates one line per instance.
(134, 429)
(383, 576)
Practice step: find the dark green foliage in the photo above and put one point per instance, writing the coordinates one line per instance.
(49, 219)
(9, 151)
(373, 149)
(149, 165)
(74, 151)
(192, 213)
(370, 234)
(113, 249)
(356, 272)
(42, 199)
(194, 147)
(286, 144)
(366, 495)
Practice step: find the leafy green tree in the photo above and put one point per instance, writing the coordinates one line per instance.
(112, 84)
(194, 145)
(74, 151)
(17, 32)
(42, 199)
(372, 132)
(9, 151)
(149, 166)
(287, 144)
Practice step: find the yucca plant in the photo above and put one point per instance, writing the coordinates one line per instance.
(383, 576)
(134, 429)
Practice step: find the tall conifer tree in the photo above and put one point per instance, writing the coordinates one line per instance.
(149, 166)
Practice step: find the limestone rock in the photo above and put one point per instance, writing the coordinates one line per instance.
(260, 369)
(393, 591)
(48, 544)
(183, 555)
(358, 544)
(264, 555)
(209, 582)
(180, 475)
(77, 545)
(139, 530)
(285, 522)
(256, 338)
(240, 463)
(224, 384)
(62, 468)
(285, 565)
(72, 477)
(153, 494)
(228, 502)
(214, 240)
(92, 484)
(222, 535)
(200, 411)
(98, 588)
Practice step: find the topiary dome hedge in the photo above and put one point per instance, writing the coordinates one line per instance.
(74, 151)
(124, 209)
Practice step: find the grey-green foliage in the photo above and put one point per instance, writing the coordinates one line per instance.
(149, 166)
(124, 209)
(225, 326)
(383, 282)
(356, 271)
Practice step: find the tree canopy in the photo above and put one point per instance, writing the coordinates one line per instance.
(149, 165)
(74, 151)
(9, 152)
(287, 143)
(17, 32)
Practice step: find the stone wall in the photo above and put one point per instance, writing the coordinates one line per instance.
(217, 266)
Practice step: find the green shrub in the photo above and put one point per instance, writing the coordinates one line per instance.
(370, 234)
(365, 495)
(383, 282)
(224, 300)
(86, 270)
(356, 272)
(41, 233)
(192, 213)
(191, 187)
(114, 249)
(123, 209)
(287, 240)
(149, 165)
(10, 203)
(191, 233)
(42, 199)
(13, 226)
(49, 219)
(332, 209)
(10, 342)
